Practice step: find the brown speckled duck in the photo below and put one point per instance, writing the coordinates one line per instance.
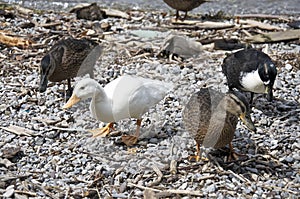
(67, 59)
(184, 5)
(211, 118)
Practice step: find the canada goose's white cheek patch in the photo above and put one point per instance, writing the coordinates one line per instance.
(252, 82)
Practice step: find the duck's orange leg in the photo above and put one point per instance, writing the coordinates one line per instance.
(234, 155)
(130, 140)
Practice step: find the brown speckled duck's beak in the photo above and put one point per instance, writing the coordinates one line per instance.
(246, 119)
(73, 100)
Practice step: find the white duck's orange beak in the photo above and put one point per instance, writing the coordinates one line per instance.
(73, 100)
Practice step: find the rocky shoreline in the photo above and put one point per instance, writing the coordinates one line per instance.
(46, 151)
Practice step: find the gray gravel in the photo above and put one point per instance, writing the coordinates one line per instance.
(58, 158)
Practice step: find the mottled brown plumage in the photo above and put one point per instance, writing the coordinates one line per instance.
(184, 5)
(67, 59)
(211, 117)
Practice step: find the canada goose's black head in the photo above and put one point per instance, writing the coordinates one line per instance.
(267, 72)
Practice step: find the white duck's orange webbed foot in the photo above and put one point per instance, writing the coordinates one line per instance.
(102, 132)
(129, 140)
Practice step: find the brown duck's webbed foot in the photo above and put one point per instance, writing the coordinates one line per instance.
(103, 132)
(234, 156)
(198, 157)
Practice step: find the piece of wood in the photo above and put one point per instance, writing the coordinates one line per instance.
(47, 121)
(185, 22)
(201, 25)
(24, 11)
(18, 130)
(260, 25)
(275, 36)
(5, 162)
(172, 191)
(14, 41)
(263, 16)
(173, 167)
(214, 25)
(26, 193)
(159, 176)
(116, 13)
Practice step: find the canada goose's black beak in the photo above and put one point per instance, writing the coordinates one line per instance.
(43, 83)
(269, 93)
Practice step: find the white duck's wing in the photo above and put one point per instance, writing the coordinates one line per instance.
(132, 96)
(148, 94)
(119, 92)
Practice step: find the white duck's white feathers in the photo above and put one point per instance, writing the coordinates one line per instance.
(124, 97)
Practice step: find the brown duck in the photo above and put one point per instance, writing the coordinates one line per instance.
(184, 5)
(67, 59)
(211, 118)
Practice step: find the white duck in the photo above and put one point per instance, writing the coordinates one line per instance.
(124, 97)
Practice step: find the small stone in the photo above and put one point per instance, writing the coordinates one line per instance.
(289, 159)
(9, 191)
(211, 188)
(288, 67)
(296, 156)
(183, 186)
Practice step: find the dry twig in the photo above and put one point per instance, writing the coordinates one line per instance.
(18, 130)
(159, 176)
(172, 191)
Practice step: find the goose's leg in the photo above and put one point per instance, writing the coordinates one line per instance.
(251, 98)
(177, 15)
(185, 16)
(130, 140)
(103, 132)
(234, 155)
(70, 90)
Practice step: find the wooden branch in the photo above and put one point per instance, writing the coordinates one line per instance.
(200, 25)
(67, 129)
(159, 176)
(26, 193)
(260, 25)
(14, 41)
(171, 191)
(275, 36)
(24, 11)
(241, 178)
(116, 13)
(263, 16)
(173, 167)
(19, 130)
